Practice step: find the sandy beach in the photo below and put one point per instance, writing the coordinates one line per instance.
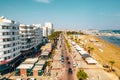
(103, 51)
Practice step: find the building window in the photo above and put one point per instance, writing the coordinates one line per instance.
(14, 49)
(4, 40)
(4, 46)
(9, 51)
(9, 39)
(9, 45)
(13, 27)
(13, 38)
(13, 44)
(8, 57)
(17, 72)
(5, 52)
(3, 33)
(13, 55)
(5, 58)
(13, 33)
(29, 72)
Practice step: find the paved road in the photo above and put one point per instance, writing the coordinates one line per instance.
(66, 75)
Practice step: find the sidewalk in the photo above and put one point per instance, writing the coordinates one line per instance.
(56, 70)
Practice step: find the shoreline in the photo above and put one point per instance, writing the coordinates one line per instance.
(117, 68)
(101, 37)
(104, 51)
(110, 43)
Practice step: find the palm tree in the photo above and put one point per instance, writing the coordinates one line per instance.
(71, 37)
(111, 63)
(75, 40)
(81, 74)
(90, 49)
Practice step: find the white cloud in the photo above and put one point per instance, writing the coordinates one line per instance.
(44, 1)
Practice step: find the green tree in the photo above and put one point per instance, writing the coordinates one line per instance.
(111, 64)
(75, 40)
(90, 49)
(71, 37)
(67, 44)
(81, 74)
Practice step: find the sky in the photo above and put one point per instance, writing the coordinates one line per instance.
(64, 14)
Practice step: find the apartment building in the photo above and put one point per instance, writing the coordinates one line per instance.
(9, 43)
(27, 38)
(38, 35)
(48, 29)
(45, 31)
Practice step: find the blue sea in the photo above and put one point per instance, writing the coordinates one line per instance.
(110, 31)
(112, 39)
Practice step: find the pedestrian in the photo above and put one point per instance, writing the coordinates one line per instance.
(56, 73)
(98, 77)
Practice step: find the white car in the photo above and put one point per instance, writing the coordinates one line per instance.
(78, 65)
(74, 64)
(18, 79)
(33, 79)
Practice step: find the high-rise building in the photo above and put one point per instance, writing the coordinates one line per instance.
(9, 43)
(38, 34)
(45, 31)
(27, 38)
(49, 27)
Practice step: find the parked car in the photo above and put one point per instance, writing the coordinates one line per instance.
(62, 58)
(67, 58)
(68, 62)
(62, 61)
(31, 79)
(70, 70)
(78, 65)
(16, 79)
(74, 64)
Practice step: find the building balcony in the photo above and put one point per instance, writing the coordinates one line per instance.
(5, 30)
(16, 51)
(5, 49)
(9, 42)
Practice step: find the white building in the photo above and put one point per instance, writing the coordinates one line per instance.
(47, 29)
(38, 33)
(27, 37)
(9, 41)
(45, 32)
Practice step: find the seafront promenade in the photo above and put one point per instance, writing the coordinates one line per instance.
(103, 51)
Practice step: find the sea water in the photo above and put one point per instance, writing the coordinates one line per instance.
(112, 39)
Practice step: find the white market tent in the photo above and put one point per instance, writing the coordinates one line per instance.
(25, 66)
(79, 48)
(84, 56)
(44, 53)
(30, 61)
(83, 52)
(90, 60)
